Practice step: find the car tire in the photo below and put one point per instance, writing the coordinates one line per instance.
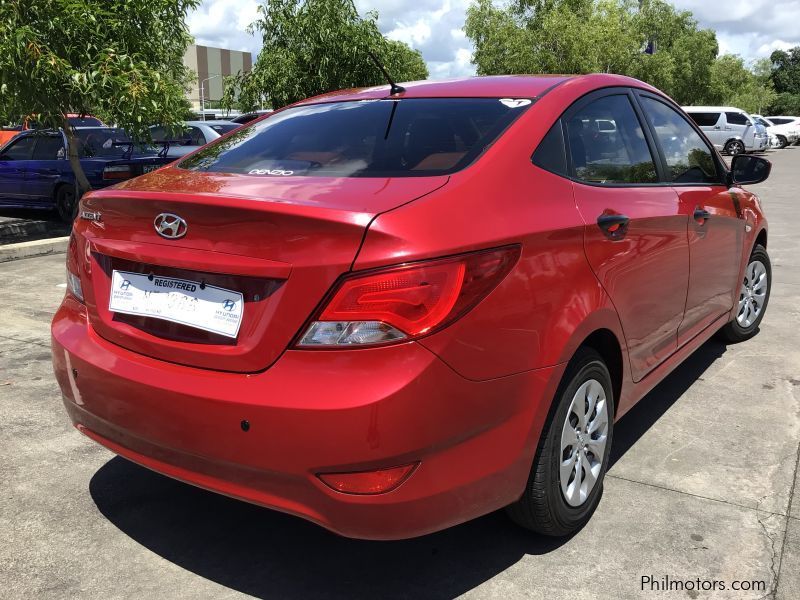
(782, 142)
(548, 506)
(753, 298)
(734, 147)
(66, 205)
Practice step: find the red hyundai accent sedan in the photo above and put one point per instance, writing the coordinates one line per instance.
(392, 313)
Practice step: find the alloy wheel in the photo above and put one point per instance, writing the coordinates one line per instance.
(583, 442)
(735, 147)
(753, 294)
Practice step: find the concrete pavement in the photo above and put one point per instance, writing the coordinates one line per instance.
(702, 486)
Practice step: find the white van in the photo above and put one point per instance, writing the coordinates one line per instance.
(730, 129)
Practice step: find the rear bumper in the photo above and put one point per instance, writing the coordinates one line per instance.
(313, 412)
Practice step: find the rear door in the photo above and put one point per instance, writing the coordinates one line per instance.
(716, 229)
(46, 167)
(635, 226)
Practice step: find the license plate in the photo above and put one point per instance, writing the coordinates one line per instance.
(190, 303)
(148, 168)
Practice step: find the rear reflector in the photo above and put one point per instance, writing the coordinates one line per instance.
(408, 301)
(368, 482)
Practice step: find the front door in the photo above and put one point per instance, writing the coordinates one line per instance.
(635, 235)
(13, 169)
(716, 230)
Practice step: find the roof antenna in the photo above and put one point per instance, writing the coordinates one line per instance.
(395, 89)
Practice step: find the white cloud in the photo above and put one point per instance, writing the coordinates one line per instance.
(750, 28)
(222, 24)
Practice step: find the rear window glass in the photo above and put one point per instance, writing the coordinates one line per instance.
(705, 119)
(735, 118)
(371, 138)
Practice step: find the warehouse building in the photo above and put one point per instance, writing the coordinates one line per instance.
(211, 65)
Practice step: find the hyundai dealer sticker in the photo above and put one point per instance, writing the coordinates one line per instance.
(515, 102)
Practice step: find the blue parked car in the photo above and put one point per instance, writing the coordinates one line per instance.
(35, 171)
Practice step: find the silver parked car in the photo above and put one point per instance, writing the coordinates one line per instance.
(730, 129)
(193, 135)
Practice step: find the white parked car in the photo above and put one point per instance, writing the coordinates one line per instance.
(784, 135)
(730, 129)
(786, 120)
(193, 135)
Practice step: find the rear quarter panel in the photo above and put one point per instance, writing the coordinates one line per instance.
(551, 300)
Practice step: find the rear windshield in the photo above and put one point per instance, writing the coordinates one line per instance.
(223, 128)
(107, 142)
(84, 122)
(371, 138)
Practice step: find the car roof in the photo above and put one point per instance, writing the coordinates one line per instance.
(487, 86)
(210, 122)
(713, 109)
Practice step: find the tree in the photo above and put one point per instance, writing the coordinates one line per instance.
(585, 36)
(785, 76)
(734, 84)
(121, 60)
(316, 46)
(786, 70)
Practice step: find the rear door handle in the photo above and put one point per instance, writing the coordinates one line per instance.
(701, 215)
(614, 226)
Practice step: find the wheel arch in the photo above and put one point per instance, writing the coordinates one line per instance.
(602, 332)
(60, 184)
(606, 344)
(761, 238)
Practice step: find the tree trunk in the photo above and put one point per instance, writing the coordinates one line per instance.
(82, 183)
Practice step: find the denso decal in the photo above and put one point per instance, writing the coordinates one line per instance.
(270, 172)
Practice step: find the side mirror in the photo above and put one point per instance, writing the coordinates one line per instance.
(748, 170)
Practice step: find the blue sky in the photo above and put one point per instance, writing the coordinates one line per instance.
(750, 28)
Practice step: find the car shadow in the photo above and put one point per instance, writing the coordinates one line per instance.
(649, 409)
(269, 554)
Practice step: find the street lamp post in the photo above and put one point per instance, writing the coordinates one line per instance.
(203, 96)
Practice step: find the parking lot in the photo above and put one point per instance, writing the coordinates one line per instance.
(701, 487)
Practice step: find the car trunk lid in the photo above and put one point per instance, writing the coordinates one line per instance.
(281, 244)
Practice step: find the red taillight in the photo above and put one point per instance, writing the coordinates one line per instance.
(407, 301)
(117, 172)
(368, 482)
(73, 268)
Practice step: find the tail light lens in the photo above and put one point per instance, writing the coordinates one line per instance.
(117, 172)
(408, 301)
(73, 273)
